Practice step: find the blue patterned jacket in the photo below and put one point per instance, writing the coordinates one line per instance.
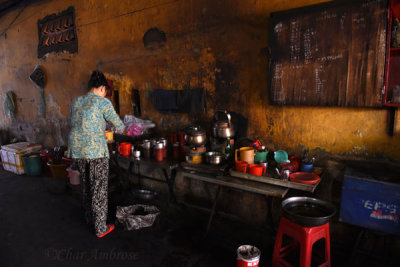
(89, 115)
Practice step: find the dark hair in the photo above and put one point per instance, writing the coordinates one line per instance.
(97, 79)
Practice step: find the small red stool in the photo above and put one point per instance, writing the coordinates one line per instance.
(303, 236)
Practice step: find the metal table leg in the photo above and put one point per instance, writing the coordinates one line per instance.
(170, 179)
(360, 236)
(122, 175)
(270, 218)
(213, 209)
(137, 173)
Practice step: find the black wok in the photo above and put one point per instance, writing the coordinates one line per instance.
(307, 211)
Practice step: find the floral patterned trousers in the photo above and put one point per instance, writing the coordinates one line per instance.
(94, 181)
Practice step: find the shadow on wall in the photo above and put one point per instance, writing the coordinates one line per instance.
(49, 132)
(5, 137)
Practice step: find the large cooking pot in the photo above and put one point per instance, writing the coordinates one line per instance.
(307, 211)
(223, 128)
(195, 136)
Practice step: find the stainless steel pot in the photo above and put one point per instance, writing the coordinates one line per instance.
(214, 158)
(195, 136)
(164, 141)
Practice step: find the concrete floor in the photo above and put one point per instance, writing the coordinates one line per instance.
(42, 225)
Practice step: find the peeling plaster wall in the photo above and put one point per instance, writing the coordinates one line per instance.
(218, 45)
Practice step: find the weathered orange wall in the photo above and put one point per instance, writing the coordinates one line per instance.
(204, 38)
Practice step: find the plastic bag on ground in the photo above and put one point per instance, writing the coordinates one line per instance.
(137, 216)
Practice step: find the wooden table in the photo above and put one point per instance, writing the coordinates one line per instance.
(268, 191)
(215, 175)
(274, 181)
(268, 187)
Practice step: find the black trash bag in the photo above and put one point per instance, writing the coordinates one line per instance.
(137, 216)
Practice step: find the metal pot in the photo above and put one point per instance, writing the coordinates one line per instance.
(164, 141)
(224, 128)
(307, 211)
(195, 136)
(214, 158)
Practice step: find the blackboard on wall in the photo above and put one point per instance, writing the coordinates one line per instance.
(330, 54)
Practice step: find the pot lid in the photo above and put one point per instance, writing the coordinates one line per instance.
(195, 131)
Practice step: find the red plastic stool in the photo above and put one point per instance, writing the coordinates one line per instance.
(303, 236)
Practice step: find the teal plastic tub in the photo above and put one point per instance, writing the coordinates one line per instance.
(32, 164)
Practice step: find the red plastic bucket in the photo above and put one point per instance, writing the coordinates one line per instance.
(247, 256)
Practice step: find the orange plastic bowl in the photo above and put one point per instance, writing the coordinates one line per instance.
(304, 178)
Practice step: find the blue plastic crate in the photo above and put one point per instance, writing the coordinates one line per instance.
(371, 203)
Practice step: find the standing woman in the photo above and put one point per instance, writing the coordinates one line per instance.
(88, 147)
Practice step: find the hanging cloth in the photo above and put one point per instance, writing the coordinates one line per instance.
(9, 105)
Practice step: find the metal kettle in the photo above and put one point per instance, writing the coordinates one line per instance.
(223, 128)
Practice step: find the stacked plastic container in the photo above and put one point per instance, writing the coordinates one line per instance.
(11, 155)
